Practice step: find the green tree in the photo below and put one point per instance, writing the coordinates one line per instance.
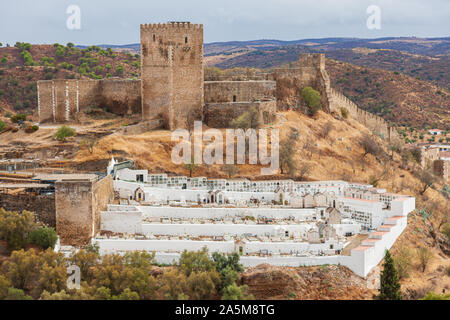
(312, 100)
(172, 284)
(202, 285)
(425, 255)
(228, 266)
(235, 292)
(22, 269)
(436, 296)
(403, 262)
(389, 285)
(16, 227)
(44, 237)
(5, 284)
(191, 166)
(127, 294)
(64, 132)
(85, 260)
(19, 117)
(17, 294)
(195, 261)
(286, 156)
(119, 70)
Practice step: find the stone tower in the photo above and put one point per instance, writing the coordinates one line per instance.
(172, 72)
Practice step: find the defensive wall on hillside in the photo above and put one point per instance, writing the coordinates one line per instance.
(60, 100)
(173, 92)
(238, 91)
(371, 121)
(310, 72)
(220, 115)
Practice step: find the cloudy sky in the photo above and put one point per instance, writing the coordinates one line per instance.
(117, 22)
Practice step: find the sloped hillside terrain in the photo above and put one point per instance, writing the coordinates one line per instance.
(317, 156)
(397, 98)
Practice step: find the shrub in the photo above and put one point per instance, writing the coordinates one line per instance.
(16, 227)
(19, 117)
(119, 70)
(44, 237)
(2, 125)
(31, 129)
(424, 255)
(403, 262)
(344, 113)
(64, 132)
(435, 296)
(312, 100)
(249, 119)
(446, 230)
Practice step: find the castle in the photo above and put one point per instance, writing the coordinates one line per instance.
(172, 92)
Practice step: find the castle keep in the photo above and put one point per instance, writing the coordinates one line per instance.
(172, 72)
(172, 92)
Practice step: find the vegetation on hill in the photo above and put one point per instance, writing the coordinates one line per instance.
(38, 274)
(397, 98)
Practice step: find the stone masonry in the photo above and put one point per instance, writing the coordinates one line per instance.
(172, 72)
(172, 91)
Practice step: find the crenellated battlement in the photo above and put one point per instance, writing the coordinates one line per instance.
(370, 120)
(172, 25)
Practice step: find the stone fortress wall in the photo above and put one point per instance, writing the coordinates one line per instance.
(220, 115)
(87, 197)
(371, 121)
(61, 100)
(239, 91)
(172, 72)
(227, 100)
(311, 72)
(173, 92)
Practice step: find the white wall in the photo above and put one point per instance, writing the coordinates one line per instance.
(343, 228)
(360, 262)
(221, 213)
(130, 175)
(122, 245)
(299, 230)
(121, 221)
(402, 206)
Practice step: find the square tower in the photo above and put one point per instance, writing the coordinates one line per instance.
(172, 73)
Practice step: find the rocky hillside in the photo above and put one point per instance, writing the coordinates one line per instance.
(21, 66)
(329, 282)
(396, 97)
